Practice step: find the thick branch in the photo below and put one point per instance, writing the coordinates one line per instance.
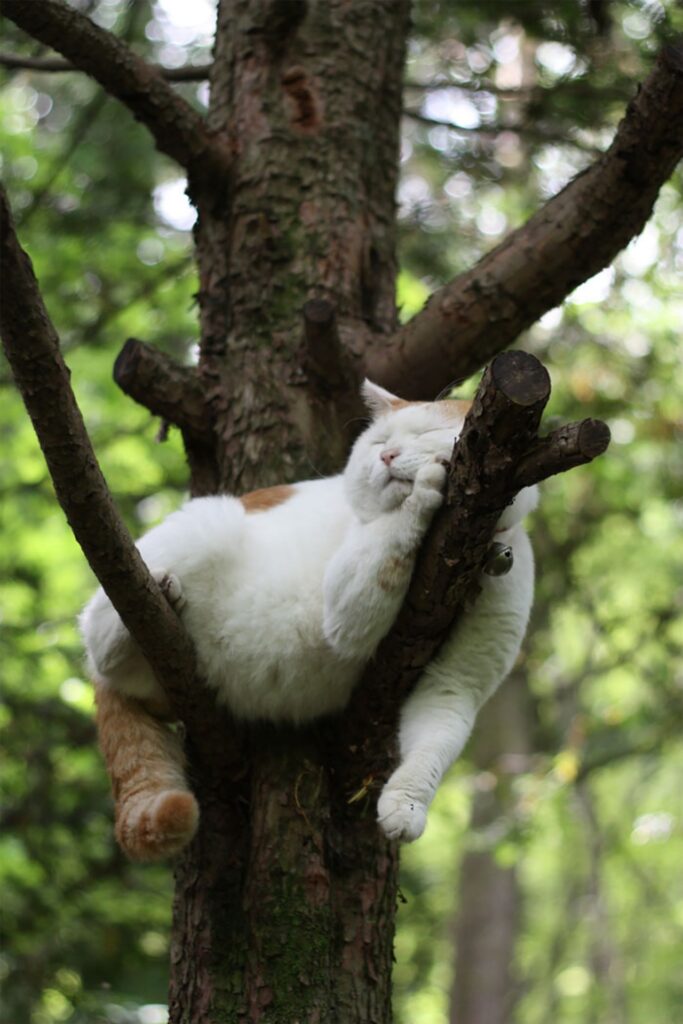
(32, 348)
(166, 389)
(178, 129)
(498, 451)
(56, 65)
(571, 238)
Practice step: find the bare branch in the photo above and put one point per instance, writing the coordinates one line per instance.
(565, 87)
(498, 451)
(178, 129)
(32, 348)
(493, 130)
(568, 240)
(166, 389)
(56, 65)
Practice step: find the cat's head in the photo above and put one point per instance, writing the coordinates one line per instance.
(401, 437)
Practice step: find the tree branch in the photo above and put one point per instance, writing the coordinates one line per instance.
(178, 129)
(492, 131)
(568, 240)
(497, 453)
(574, 444)
(32, 347)
(173, 392)
(56, 65)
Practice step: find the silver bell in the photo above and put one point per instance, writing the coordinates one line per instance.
(499, 559)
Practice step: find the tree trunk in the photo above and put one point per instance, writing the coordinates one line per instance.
(484, 990)
(285, 902)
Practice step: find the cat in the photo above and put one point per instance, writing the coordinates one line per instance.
(287, 593)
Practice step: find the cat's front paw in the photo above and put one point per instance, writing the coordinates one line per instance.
(428, 490)
(171, 588)
(401, 816)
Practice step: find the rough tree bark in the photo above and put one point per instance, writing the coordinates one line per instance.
(285, 902)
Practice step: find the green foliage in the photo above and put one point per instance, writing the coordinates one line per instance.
(592, 822)
(85, 933)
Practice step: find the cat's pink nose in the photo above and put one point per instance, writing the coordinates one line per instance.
(389, 454)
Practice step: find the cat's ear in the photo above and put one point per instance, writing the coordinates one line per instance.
(378, 400)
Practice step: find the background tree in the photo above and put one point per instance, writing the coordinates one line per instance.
(468, 40)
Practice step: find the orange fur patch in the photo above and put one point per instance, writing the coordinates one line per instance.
(159, 827)
(266, 497)
(453, 407)
(156, 814)
(461, 406)
(176, 816)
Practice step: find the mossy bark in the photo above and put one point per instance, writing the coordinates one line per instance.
(285, 902)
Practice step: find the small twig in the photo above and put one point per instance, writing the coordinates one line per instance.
(494, 130)
(56, 65)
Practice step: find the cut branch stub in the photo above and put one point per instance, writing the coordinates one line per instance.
(173, 392)
(571, 445)
(324, 355)
(498, 452)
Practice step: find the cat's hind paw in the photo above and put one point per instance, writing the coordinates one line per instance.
(152, 827)
(171, 588)
(400, 815)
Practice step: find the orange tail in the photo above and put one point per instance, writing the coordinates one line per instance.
(156, 814)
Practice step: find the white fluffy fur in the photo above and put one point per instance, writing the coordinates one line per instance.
(287, 605)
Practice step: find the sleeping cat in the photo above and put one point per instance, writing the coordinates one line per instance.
(287, 593)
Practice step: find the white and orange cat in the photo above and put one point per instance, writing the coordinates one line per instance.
(287, 593)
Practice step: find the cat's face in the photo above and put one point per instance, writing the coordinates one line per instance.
(402, 437)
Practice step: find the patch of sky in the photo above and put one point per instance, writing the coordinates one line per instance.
(172, 205)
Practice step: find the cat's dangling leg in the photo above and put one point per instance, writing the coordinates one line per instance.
(433, 733)
(438, 716)
(156, 813)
